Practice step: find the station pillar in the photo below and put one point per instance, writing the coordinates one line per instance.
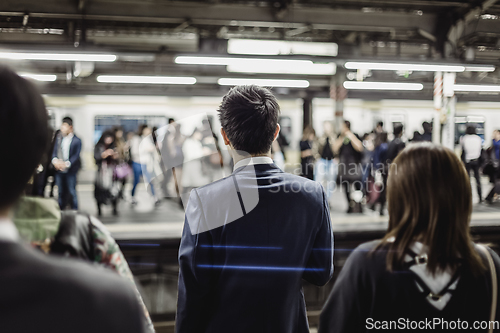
(438, 105)
(338, 93)
(448, 111)
(307, 111)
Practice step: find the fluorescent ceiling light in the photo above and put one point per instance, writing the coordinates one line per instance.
(262, 66)
(477, 88)
(403, 67)
(479, 68)
(279, 47)
(382, 85)
(58, 56)
(264, 82)
(145, 79)
(40, 77)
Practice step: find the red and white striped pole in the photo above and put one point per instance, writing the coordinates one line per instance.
(438, 105)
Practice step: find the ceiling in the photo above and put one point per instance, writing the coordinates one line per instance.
(147, 35)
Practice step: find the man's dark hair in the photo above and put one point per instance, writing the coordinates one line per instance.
(470, 130)
(347, 124)
(380, 123)
(141, 129)
(22, 116)
(68, 121)
(249, 116)
(398, 130)
(171, 120)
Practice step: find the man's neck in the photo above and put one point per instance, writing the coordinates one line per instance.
(237, 157)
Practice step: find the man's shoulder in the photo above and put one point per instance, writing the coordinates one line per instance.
(92, 283)
(72, 289)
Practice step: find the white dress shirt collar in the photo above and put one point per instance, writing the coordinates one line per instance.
(8, 231)
(253, 161)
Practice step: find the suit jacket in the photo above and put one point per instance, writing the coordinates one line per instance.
(74, 153)
(39, 293)
(248, 241)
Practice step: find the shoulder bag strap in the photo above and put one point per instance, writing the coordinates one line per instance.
(494, 286)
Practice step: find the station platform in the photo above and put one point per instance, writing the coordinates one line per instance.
(147, 221)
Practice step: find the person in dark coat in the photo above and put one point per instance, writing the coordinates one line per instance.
(107, 189)
(66, 160)
(306, 153)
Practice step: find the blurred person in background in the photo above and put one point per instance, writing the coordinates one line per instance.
(496, 143)
(416, 137)
(122, 170)
(427, 135)
(492, 167)
(176, 142)
(66, 161)
(306, 152)
(472, 146)
(426, 266)
(380, 170)
(39, 181)
(396, 145)
(366, 163)
(326, 164)
(41, 293)
(379, 129)
(367, 180)
(49, 173)
(166, 157)
(107, 189)
(193, 175)
(142, 151)
(349, 148)
(278, 155)
(213, 162)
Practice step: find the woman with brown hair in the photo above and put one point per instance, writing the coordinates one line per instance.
(426, 266)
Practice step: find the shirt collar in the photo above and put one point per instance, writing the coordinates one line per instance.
(69, 136)
(8, 231)
(253, 161)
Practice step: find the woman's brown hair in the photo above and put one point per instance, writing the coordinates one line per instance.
(430, 201)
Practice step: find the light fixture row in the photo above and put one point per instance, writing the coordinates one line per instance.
(262, 65)
(177, 80)
(351, 85)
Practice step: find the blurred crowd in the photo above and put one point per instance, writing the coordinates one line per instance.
(358, 165)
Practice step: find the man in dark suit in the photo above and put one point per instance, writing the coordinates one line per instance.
(249, 239)
(39, 293)
(66, 160)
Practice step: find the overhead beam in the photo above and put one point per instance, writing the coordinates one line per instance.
(203, 13)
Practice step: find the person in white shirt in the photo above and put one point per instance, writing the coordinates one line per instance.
(142, 154)
(471, 153)
(66, 160)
